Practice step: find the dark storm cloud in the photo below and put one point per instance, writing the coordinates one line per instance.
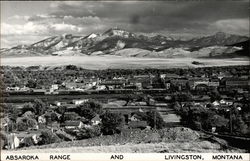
(154, 16)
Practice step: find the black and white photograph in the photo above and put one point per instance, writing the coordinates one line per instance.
(137, 77)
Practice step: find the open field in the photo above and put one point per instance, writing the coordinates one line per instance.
(116, 62)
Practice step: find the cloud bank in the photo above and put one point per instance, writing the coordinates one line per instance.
(180, 19)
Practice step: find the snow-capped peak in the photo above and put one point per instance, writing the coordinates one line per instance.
(92, 35)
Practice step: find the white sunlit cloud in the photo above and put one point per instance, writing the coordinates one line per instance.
(18, 17)
(65, 27)
(17, 29)
(234, 26)
(30, 28)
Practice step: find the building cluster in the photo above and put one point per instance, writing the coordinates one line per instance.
(170, 82)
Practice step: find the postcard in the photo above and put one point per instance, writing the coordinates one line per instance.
(125, 80)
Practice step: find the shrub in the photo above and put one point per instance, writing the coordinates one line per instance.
(88, 132)
(3, 139)
(47, 137)
(22, 126)
(27, 141)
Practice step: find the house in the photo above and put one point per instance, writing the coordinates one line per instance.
(216, 103)
(87, 82)
(163, 76)
(57, 103)
(80, 101)
(235, 82)
(193, 82)
(135, 117)
(24, 88)
(74, 85)
(168, 85)
(54, 87)
(142, 81)
(222, 101)
(100, 87)
(140, 103)
(181, 83)
(171, 76)
(96, 120)
(41, 119)
(228, 102)
(214, 83)
(73, 125)
(113, 84)
(71, 116)
(12, 88)
(138, 85)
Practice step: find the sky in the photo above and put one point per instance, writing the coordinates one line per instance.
(26, 22)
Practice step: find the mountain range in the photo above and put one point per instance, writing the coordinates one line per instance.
(120, 42)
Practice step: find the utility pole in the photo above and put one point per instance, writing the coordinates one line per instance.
(155, 119)
(230, 119)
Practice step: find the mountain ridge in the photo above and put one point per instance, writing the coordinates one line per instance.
(116, 39)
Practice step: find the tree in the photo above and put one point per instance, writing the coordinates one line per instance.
(61, 109)
(53, 117)
(3, 107)
(111, 123)
(86, 112)
(11, 126)
(214, 120)
(31, 83)
(28, 107)
(29, 114)
(240, 126)
(215, 95)
(155, 120)
(89, 109)
(31, 123)
(12, 112)
(128, 98)
(39, 107)
(177, 106)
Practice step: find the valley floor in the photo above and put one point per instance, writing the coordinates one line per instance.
(117, 62)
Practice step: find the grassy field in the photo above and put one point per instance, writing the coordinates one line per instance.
(116, 62)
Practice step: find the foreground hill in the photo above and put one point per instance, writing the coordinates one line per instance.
(119, 42)
(168, 140)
